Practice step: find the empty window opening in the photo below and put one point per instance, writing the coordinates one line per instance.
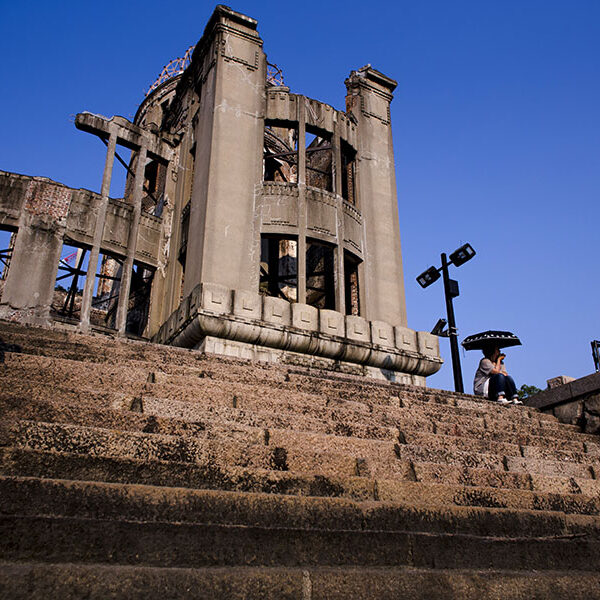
(183, 238)
(164, 111)
(106, 301)
(155, 175)
(7, 245)
(70, 279)
(320, 278)
(279, 267)
(319, 160)
(280, 157)
(351, 284)
(155, 178)
(120, 176)
(348, 172)
(183, 242)
(106, 291)
(138, 307)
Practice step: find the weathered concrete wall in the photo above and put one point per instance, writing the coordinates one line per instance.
(43, 207)
(46, 214)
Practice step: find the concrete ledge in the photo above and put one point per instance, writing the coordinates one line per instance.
(576, 402)
(240, 323)
(566, 393)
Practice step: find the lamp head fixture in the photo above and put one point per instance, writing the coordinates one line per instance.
(462, 255)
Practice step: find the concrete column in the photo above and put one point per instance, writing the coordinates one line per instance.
(29, 285)
(125, 287)
(229, 145)
(302, 210)
(340, 285)
(369, 96)
(88, 290)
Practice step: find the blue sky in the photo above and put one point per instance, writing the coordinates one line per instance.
(496, 133)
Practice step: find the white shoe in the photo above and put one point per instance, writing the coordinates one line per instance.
(516, 401)
(502, 400)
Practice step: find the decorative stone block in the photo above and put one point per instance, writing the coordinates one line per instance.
(211, 297)
(276, 311)
(382, 334)
(357, 329)
(305, 317)
(247, 305)
(183, 312)
(331, 322)
(405, 338)
(557, 381)
(171, 325)
(428, 344)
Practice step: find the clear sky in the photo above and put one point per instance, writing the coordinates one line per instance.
(496, 133)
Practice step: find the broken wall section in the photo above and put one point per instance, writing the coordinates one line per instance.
(42, 206)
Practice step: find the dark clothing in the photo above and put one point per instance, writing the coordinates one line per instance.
(501, 384)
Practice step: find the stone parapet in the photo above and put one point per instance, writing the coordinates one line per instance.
(260, 323)
(575, 401)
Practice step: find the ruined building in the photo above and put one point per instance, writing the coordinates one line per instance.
(255, 222)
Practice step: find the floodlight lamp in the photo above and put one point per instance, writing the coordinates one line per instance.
(439, 327)
(428, 277)
(462, 255)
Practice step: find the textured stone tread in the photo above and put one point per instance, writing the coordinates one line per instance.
(143, 503)
(22, 581)
(64, 539)
(148, 470)
(33, 463)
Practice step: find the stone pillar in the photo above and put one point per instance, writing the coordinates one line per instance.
(88, 290)
(302, 210)
(369, 96)
(125, 287)
(231, 74)
(29, 286)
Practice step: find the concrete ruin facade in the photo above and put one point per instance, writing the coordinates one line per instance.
(255, 222)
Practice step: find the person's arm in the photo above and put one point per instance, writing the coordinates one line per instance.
(499, 365)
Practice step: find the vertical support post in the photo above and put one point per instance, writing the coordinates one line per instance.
(88, 290)
(452, 332)
(302, 210)
(340, 284)
(125, 287)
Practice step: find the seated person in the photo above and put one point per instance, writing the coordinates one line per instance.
(492, 379)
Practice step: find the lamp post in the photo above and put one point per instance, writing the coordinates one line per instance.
(425, 279)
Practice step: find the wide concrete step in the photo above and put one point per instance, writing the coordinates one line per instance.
(145, 504)
(516, 464)
(345, 414)
(32, 581)
(240, 372)
(170, 544)
(548, 494)
(225, 448)
(431, 472)
(63, 370)
(192, 419)
(280, 450)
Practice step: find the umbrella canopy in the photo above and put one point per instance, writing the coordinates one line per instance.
(485, 339)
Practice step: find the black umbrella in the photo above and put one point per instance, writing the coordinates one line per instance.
(479, 341)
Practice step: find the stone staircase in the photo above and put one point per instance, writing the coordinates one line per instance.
(132, 470)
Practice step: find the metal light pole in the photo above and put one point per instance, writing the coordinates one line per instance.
(450, 292)
(425, 279)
